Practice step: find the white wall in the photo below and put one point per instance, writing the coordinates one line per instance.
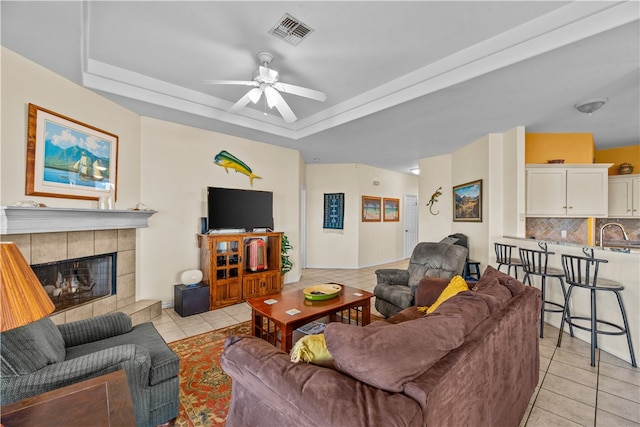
(435, 172)
(25, 82)
(497, 159)
(359, 244)
(177, 169)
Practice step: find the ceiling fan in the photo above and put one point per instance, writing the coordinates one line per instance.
(265, 80)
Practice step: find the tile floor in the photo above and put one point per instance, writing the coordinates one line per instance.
(570, 393)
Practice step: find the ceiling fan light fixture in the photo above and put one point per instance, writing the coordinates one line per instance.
(271, 95)
(591, 105)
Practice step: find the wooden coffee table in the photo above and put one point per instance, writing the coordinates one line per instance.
(272, 323)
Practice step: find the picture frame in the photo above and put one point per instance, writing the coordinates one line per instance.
(371, 209)
(391, 210)
(69, 159)
(467, 202)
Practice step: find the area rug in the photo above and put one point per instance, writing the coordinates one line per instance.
(205, 390)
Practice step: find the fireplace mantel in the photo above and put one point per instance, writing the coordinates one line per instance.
(24, 220)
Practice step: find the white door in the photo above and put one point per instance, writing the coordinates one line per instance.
(410, 223)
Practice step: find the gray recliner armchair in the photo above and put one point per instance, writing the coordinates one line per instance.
(395, 289)
(41, 356)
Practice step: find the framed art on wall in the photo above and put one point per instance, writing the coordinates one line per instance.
(69, 159)
(391, 209)
(371, 208)
(467, 202)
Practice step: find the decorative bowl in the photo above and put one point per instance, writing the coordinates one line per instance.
(625, 168)
(322, 292)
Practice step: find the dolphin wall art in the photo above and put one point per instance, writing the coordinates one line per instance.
(229, 161)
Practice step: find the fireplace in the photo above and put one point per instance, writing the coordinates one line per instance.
(74, 282)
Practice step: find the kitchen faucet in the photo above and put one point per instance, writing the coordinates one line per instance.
(624, 233)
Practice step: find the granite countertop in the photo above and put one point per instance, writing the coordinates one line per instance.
(622, 246)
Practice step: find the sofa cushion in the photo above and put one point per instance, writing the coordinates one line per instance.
(470, 306)
(429, 289)
(164, 362)
(31, 347)
(363, 353)
(514, 286)
(456, 285)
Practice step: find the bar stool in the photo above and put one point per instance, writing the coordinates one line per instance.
(582, 272)
(503, 257)
(471, 270)
(535, 262)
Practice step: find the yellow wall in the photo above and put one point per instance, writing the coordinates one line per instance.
(619, 155)
(572, 147)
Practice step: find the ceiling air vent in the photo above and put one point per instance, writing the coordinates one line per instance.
(291, 30)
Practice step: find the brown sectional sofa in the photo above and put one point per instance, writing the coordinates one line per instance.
(473, 362)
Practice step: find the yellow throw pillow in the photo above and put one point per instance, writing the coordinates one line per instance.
(312, 349)
(455, 286)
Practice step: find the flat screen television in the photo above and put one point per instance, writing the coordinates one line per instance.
(230, 208)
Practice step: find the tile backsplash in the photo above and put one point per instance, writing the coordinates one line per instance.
(578, 229)
(551, 229)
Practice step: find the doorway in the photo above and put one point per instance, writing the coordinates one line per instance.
(410, 219)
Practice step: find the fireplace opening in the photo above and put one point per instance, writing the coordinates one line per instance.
(74, 282)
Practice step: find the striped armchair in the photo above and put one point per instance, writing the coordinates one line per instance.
(42, 356)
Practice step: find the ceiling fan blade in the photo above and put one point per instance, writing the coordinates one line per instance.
(301, 91)
(284, 109)
(242, 102)
(232, 82)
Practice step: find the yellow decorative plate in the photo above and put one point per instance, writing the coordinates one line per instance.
(322, 292)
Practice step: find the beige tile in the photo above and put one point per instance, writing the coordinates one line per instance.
(606, 419)
(547, 352)
(106, 241)
(214, 315)
(621, 407)
(59, 318)
(613, 360)
(582, 362)
(523, 422)
(126, 286)
(105, 305)
(126, 239)
(166, 327)
(571, 389)
(162, 319)
(80, 244)
(141, 316)
(175, 335)
(619, 388)
(541, 418)
(23, 241)
(565, 407)
(223, 323)
(544, 363)
(79, 313)
(197, 330)
(190, 321)
(242, 317)
(123, 302)
(626, 374)
(582, 376)
(48, 247)
(126, 263)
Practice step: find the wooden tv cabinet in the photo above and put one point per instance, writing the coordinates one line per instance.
(223, 262)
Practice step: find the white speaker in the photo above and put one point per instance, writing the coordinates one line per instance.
(191, 277)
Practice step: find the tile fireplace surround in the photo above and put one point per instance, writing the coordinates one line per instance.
(50, 246)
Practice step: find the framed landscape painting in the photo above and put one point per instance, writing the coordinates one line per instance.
(69, 159)
(467, 202)
(391, 209)
(371, 208)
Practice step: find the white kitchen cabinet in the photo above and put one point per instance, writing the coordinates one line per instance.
(571, 190)
(624, 196)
